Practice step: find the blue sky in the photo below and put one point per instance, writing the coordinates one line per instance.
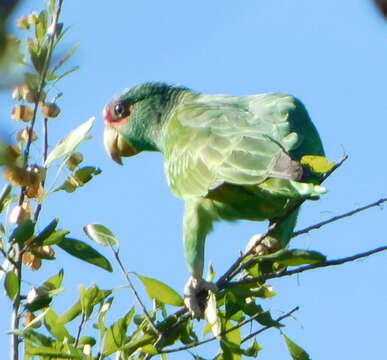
(331, 54)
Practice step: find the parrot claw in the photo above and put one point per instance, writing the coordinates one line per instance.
(195, 295)
(262, 247)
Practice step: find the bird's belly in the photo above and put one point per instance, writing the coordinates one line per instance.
(248, 202)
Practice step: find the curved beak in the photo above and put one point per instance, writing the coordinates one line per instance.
(116, 146)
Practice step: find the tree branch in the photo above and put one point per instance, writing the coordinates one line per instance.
(132, 288)
(198, 343)
(340, 261)
(290, 313)
(338, 217)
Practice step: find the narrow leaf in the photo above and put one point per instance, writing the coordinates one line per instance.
(296, 352)
(56, 328)
(49, 352)
(211, 314)
(12, 285)
(70, 142)
(54, 282)
(23, 232)
(116, 334)
(71, 313)
(46, 232)
(100, 234)
(297, 257)
(160, 291)
(85, 252)
(5, 195)
(65, 57)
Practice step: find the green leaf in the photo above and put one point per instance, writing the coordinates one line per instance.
(116, 335)
(295, 257)
(264, 292)
(71, 313)
(23, 232)
(46, 232)
(56, 237)
(100, 234)
(79, 178)
(70, 142)
(211, 274)
(54, 282)
(12, 285)
(319, 165)
(67, 72)
(266, 319)
(87, 340)
(253, 350)
(90, 297)
(85, 252)
(105, 307)
(32, 80)
(296, 352)
(211, 314)
(41, 26)
(233, 337)
(161, 292)
(35, 337)
(8, 155)
(65, 57)
(51, 353)
(55, 327)
(132, 346)
(5, 195)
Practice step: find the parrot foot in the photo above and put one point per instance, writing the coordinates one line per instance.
(195, 295)
(262, 247)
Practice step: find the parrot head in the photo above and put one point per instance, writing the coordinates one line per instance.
(134, 120)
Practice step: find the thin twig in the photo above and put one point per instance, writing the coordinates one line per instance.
(8, 257)
(301, 269)
(339, 217)
(290, 313)
(42, 84)
(80, 327)
(45, 153)
(198, 343)
(132, 288)
(15, 307)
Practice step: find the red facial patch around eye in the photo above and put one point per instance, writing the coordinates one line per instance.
(110, 118)
(106, 113)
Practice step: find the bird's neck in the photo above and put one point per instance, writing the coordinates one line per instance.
(152, 137)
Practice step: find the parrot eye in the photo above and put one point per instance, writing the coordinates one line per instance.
(121, 110)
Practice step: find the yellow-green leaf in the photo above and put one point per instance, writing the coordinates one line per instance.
(12, 285)
(317, 164)
(211, 314)
(100, 234)
(70, 142)
(160, 291)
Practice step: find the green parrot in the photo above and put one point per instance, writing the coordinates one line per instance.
(227, 157)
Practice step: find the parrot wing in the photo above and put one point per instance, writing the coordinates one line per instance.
(238, 140)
